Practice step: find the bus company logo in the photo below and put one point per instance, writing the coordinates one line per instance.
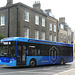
(53, 54)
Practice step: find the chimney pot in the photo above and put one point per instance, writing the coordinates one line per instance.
(37, 4)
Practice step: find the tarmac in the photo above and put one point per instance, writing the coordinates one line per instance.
(67, 69)
(68, 72)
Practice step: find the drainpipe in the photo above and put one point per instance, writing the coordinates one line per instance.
(57, 31)
(8, 22)
(17, 23)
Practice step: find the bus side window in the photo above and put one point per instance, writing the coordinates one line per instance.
(38, 51)
(31, 50)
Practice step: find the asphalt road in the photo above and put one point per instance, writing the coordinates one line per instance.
(40, 70)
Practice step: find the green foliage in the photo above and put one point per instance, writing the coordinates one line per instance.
(1, 36)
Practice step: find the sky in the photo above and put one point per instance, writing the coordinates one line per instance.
(59, 8)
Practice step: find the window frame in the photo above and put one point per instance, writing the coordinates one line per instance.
(43, 38)
(61, 26)
(36, 34)
(50, 26)
(54, 38)
(26, 33)
(54, 28)
(26, 16)
(43, 22)
(2, 20)
(51, 37)
(36, 19)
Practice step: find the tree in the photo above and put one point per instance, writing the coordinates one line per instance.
(1, 36)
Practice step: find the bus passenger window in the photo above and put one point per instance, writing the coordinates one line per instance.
(31, 50)
(35, 51)
(39, 52)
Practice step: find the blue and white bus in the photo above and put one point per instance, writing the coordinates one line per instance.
(19, 51)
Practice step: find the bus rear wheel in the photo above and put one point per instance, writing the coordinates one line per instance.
(32, 63)
(62, 61)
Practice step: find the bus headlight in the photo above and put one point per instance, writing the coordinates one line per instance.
(10, 61)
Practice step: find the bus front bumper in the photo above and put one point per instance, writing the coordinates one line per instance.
(8, 61)
(11, 63)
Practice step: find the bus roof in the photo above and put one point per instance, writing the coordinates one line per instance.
(22, 39)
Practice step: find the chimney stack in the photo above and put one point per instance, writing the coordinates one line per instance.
(37, 5)
(62, 20)
(48, 11)
(9, 2)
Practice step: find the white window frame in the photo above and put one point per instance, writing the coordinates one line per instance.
(43, 36)
(26, 33)
(36, 34)
(61, 35)
(54, 28)
(55, 38)
(26, 16)
(2, 20)
(61, 26)
(37, 20)
(43, 22)
(50, 37)
(50, 26)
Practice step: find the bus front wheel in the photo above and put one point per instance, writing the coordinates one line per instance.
(33, 63)
(62, 61)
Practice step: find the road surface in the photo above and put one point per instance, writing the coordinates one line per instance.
(40, 70)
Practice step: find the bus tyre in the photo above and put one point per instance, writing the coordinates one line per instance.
(62, 61)
(32, 63)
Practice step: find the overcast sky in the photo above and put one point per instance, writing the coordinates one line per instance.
(60, 8)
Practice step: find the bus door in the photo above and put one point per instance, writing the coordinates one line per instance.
(21, 54)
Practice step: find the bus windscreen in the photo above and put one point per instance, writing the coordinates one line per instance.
(7, 49)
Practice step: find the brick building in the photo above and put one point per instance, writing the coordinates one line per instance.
(20, 20)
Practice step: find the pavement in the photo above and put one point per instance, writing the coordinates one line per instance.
(67, 69)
